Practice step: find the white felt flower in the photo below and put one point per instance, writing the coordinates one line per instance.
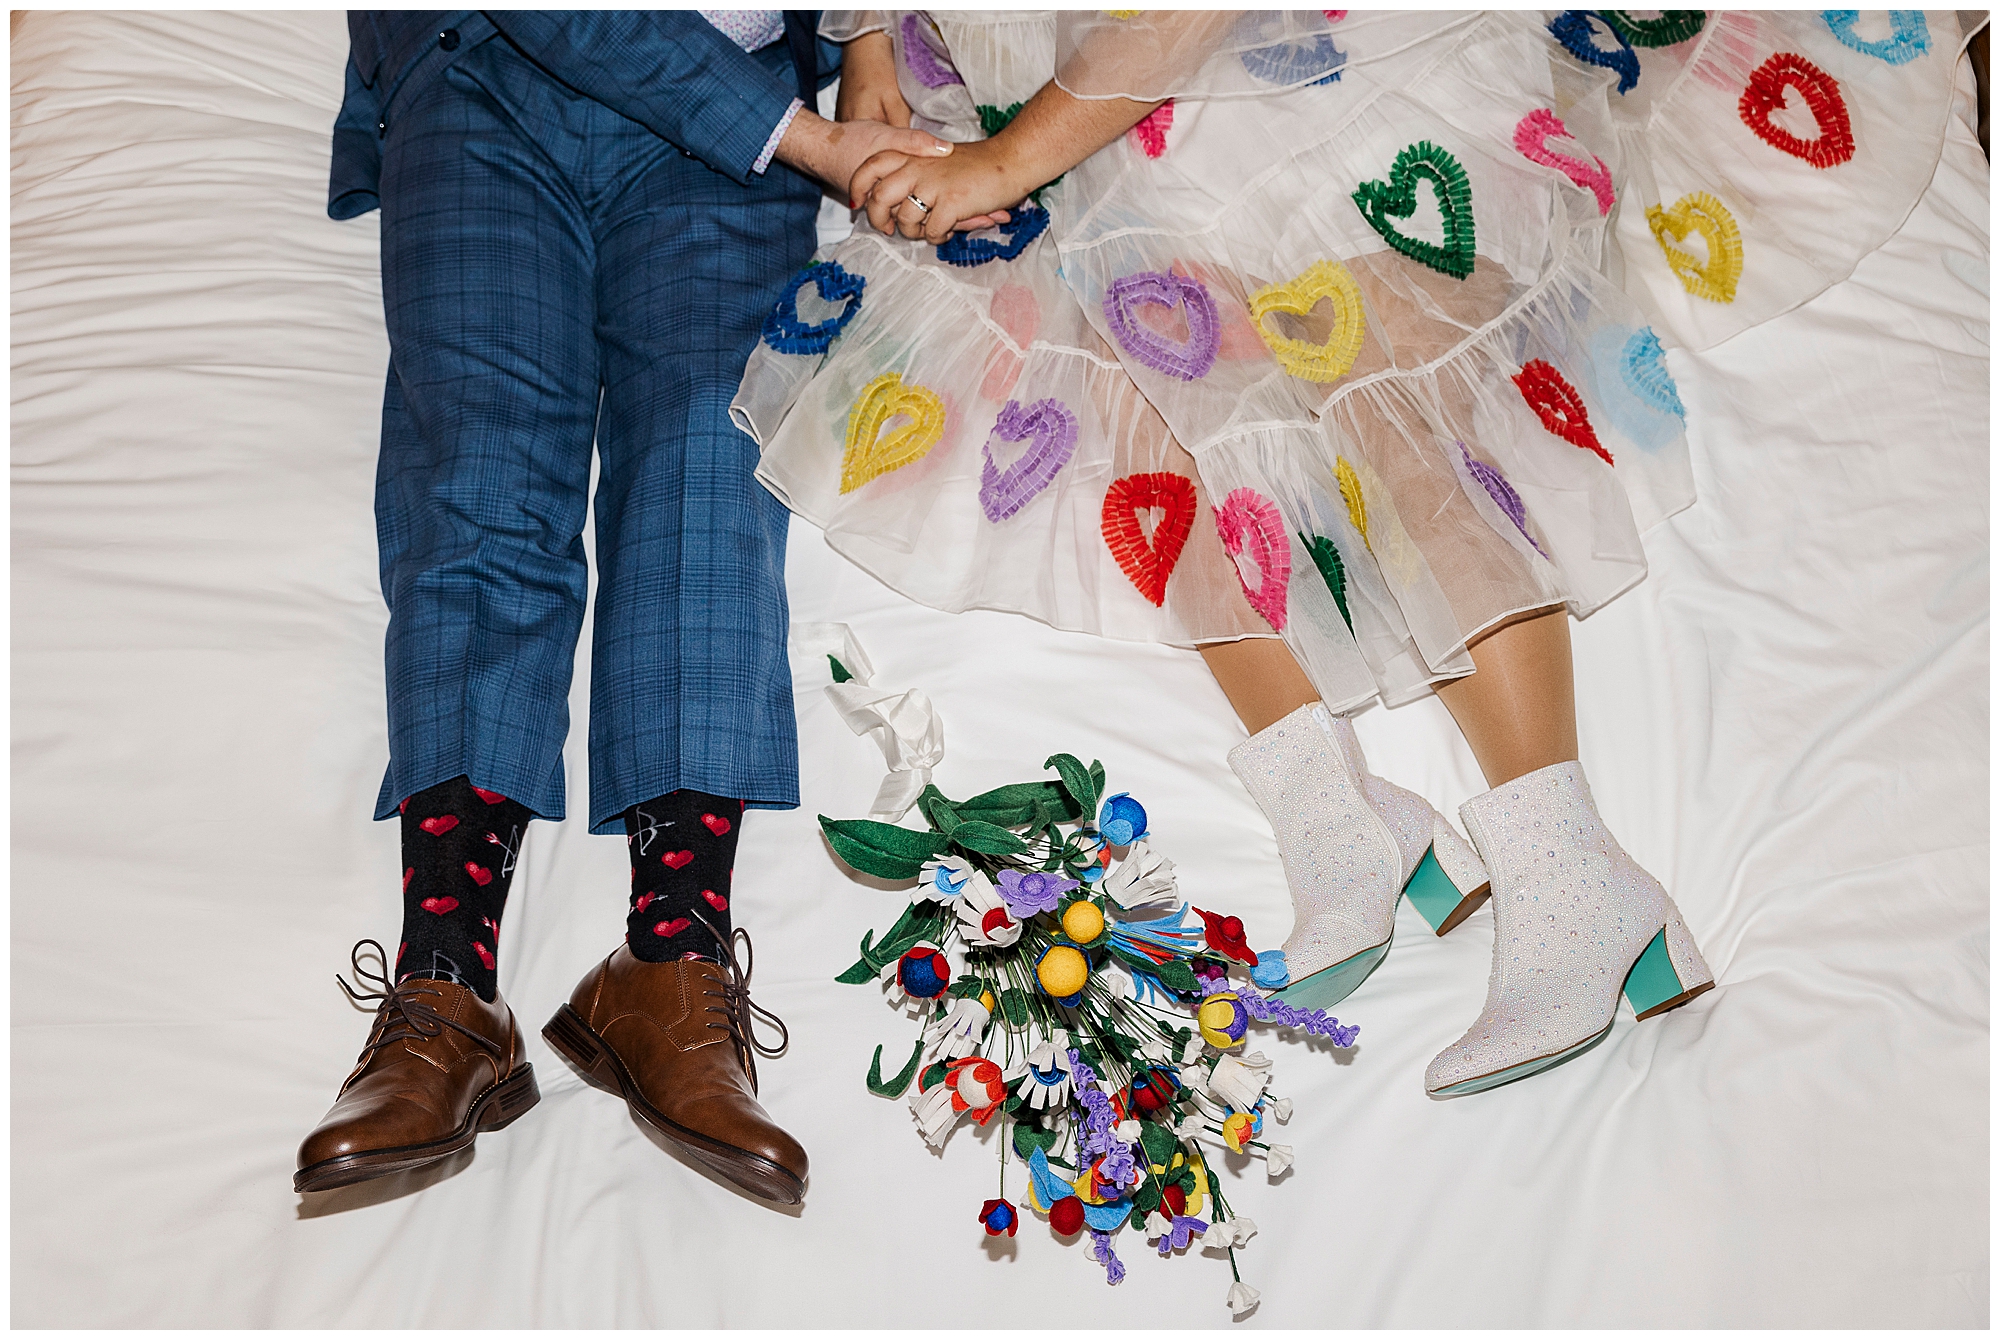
(1239, 1080)
(934, 1112)
(983, 919)
(1192, 1127)
(949, 876)
(1277, 1158)
(956, 1032)
(1194, 1078)
(1043, 1081)
(1281, 1108)
(1242, 1298)
(1241, 1231)
(1143, 882)
(1158, 1225)
(1156, 1050)
(1126, 1132)
(1191, 1050)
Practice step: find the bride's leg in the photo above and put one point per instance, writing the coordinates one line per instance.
(1519, 711)
(1260, 678)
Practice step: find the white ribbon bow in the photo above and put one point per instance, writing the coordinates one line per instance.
(903, 724)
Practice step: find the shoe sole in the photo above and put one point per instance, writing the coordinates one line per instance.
(1643, 981)
(495, 1109)
(579, 1044)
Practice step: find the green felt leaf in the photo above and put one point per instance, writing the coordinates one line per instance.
(1076, 780)
(1013, 806)
(965, 988)
(864, 971)
(937, 807)
(901, 1081)
(1014, 1006)
(1160, 1142)
(1138, 1220)
(1146, 1200)
(933, 1073)
(841, 674)
(1027, 1139)
(1177, 975)
(879, 849)
(1012, 1105)
(993, 840)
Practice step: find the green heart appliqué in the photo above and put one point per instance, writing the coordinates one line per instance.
(1327, 559)
(1397, 199)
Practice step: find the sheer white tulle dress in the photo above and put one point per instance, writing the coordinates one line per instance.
(1328, 348)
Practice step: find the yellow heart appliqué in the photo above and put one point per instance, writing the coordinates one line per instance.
(1702, 213)
(1350, 493)
(882, 400)
(1326, 362)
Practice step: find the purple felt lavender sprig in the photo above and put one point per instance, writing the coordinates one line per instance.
(1099, 1116)
(1100, 1247)
(1289, 1016)
(1185, 1227)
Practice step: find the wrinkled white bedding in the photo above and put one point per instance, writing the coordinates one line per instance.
(1787, 722)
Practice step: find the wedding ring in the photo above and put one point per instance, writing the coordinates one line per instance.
(920, 204)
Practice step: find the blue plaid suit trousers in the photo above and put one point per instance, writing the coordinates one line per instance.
(555, 274)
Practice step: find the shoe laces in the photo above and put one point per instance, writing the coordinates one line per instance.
(740, 1014)
(402, 1013)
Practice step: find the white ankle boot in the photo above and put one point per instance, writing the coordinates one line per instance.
(1352, 844)
(1574, 920)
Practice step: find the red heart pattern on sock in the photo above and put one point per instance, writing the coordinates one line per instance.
(440, 825)
(644, 901)
(439, 905)
(480, 874)
(408, 875)
(715, 900)
(667, 930)
(715, 824)
(490, 797)
(676, 859)
(485, 954)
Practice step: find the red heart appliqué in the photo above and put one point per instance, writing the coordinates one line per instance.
(404, 808)
(667, 930)
(480, 874)
(439, 826)
(485, 954)
(407, 876)
(490, 797)
(1765, 93)
(1559, 407)
(1148, 565)
(676, 859)
(439, 905)
(715, 824)
(715, 900)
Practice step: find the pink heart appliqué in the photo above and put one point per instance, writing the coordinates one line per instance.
(676, 859)
(1249, 521)
(1531, 137)
(439, 905)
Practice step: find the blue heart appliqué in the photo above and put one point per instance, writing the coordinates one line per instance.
(1643, 366)
(1909, 35)
(788, 334)
(1290, 62)
(1572, 29)
(963, 249)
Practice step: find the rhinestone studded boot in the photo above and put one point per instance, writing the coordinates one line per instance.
(1575, 920)
(1352, 844)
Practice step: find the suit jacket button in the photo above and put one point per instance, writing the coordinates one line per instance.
(448, 39)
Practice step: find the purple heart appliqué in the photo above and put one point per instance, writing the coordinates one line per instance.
(1185, 361)
(1050, 429)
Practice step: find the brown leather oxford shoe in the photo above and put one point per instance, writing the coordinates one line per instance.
(674, 1041)
(441, 1065)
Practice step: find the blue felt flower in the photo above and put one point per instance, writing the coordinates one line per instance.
(1271, 972)
(1122, 820)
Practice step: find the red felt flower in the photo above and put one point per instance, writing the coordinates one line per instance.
(1225, 936)
(999, 1217)
(1066, 1216)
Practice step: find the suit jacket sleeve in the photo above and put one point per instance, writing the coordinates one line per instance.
(669, 70)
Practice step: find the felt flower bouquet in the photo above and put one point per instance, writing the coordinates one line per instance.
(1067, 993)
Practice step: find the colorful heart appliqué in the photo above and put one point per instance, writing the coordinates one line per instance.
(1572, 29)
(788, 333)
(1700, 212)
(1502, 493)
(1909, 34)
(439, 905)
(1185, 361)
(1350, 493)
(1323, 279)
(1396, 198)
(1149, 137)
(1532, 136)
(1765, 93)
(1050, 431)
(1326, 557)
(439, 825)
(1316, 60)
(965, 249)
(923, 62)
(1148, 565)
(884, 398)
(1671, 28)
(1642, 366)
(715, 824)
(1250, 523)
(674, 860)
(1558, 406)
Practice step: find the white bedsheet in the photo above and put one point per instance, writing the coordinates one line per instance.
(1787, 723)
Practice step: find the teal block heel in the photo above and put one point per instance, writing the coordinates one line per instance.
(1330, 986)
(1441, 903)
(1653, 986)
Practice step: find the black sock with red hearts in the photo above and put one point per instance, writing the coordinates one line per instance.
(683, 848)
(460, 845)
